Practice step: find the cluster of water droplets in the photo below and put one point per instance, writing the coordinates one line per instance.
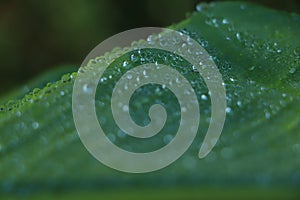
(27, 125)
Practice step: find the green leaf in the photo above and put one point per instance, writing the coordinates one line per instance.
(257, 52)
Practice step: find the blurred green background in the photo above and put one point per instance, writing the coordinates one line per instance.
(36, 36)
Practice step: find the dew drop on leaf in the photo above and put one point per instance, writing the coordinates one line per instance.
(238, 36)
(125, 108)
(225, 21)
(252, 68)
(228, 110)
(204, 97)
(35, 125)
(125, 63)
(292, 70)
(129, 76)
(239, 103)
(199, 7)
(297, 51)
(66, 78)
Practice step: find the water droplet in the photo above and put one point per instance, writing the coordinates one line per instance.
(167, 138)
(125, 63)
(35, 125)
(73, 75)
(199, 7)
(228, 110)
(129, 76)
(225, 21)
(143, 61)
(86, 88)
(125, 108)
(111, 137)
(151, 39)
(66, 78)
(242, 6)
(121, 134)
(292, 70)
(215, 22)
(163, 42)
(194, 69)
(204, 97)
(252, 68)
(297, 51)
(239, 103)
(238, 36)
(267, 114)
(103, 79)
(19, 114)
(36, 90)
